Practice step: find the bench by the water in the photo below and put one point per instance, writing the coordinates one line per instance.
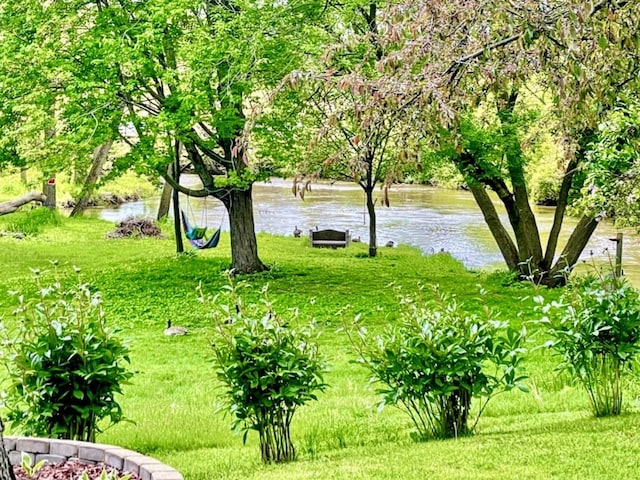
(330, 238)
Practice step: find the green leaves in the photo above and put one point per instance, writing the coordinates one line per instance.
(612, 169)
(595, 328)
(437, 358)
(65, 364)
(268, 365)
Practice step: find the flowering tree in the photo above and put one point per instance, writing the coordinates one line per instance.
(360, 123)
(443, 60)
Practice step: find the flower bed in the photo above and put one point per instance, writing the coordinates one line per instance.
(59, 451)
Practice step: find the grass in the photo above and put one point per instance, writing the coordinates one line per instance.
(11, 185)
(173, 398)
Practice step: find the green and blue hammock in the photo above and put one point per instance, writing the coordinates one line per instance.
(197, 235)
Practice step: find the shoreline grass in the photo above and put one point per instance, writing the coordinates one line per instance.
(172, 400)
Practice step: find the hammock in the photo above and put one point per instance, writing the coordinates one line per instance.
(196, 235)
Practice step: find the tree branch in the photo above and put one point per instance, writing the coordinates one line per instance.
(13, 205)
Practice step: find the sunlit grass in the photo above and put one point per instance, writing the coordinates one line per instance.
(173, 400)
(11, 185)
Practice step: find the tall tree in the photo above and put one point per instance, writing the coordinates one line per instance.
(357, 137)
(187, 72)
(100, 155)
(445, 58)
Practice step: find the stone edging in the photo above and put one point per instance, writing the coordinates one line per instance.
(58, 451)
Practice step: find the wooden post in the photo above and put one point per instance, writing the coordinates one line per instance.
(618, 240)
(49, 190)
(617, 272)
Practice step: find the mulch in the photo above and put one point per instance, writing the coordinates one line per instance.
(69, 470)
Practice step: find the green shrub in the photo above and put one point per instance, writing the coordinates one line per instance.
(595, 328)
(31, 222)
(436, 359)
(65, 364)
(269, 367)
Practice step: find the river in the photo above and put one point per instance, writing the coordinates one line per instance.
(431, 219)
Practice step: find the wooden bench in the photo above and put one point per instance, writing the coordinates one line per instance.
(329, 238)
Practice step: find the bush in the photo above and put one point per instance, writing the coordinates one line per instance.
(436, 359)
(595, 328)
(65, 364)
(268, 366)
(32, 222)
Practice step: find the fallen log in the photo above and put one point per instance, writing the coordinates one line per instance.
(13, 205)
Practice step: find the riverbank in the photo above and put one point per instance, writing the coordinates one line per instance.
(127, 188)
(431, 219)
(172, 400)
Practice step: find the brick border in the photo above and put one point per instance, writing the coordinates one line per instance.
(58, 451)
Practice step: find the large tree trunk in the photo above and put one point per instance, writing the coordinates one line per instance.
(527, 233)
(371, 210)
(500, 234)
(6, 471)
(579, 238)
(244, 246)
(100, 155)
(558, 216)
(13, 205)
(521, 216)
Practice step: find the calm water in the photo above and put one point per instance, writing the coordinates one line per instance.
(431, 219)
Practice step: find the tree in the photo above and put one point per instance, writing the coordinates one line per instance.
(45, 123)
(357, 135)
(99, 158)
(612, 167)
(446, 58)
(186, 75)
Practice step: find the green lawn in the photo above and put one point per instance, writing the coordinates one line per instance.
(173, 399)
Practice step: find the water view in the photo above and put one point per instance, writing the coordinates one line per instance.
(429, 218)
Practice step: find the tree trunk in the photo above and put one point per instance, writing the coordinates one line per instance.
(23, 175)
(13, 205)
(500, 234)
(6, 471)
(522, 218)
(558, 216)
(371, 210)
(165, 201)
(177, 227)
(100, 155)
(244, 246)
(575, 245)
(527, 233)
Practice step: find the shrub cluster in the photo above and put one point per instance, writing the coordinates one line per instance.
(268, 365)
(65, 364)
(437, 362)
(437, 358)
(595, 328)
